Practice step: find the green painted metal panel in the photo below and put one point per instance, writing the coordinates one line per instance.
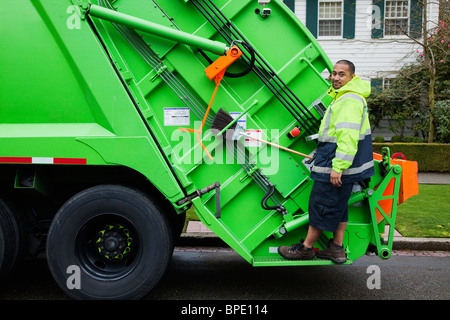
(65, 90)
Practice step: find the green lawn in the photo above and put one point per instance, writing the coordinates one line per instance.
(426, 214)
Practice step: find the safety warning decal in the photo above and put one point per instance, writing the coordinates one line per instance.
(176, 117)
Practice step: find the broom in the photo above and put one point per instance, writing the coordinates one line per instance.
(222, 121)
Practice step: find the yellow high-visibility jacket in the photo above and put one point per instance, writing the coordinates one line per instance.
(345, 141)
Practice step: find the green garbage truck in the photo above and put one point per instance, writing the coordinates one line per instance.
(117, 116)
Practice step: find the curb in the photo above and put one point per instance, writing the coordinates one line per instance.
(208, 239)
(424, 244)
(200, 239)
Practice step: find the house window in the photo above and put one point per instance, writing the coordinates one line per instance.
(380, 84)
(396, 18)
(330, 18)
(387, 83)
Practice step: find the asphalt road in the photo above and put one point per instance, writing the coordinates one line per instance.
(221, 274)
(208, 274)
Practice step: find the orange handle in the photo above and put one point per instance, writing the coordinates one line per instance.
(219, 77)
(215, 71)
(280, 147)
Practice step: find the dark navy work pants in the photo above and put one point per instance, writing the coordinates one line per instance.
(328, 205)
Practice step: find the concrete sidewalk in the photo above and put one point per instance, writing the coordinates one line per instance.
(197, 234)
(434, 178)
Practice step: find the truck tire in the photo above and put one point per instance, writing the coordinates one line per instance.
(10, 238)
(108, 242)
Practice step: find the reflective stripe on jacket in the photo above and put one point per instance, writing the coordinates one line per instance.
(345, 141)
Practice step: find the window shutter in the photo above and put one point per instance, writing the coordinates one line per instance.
(312, 10)
(376, 84)
(290, 4)
(349, 19)
(378, 19)
(416, 18)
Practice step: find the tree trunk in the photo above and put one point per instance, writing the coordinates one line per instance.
(431, 104)
(431, 65)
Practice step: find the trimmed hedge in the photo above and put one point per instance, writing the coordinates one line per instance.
(429, 156)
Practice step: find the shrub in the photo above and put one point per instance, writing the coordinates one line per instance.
(414, 140)
(429, 156)
(397, 139)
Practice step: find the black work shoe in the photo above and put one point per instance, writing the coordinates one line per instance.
(296, 252)
(334, 252)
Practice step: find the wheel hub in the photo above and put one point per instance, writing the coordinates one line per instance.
(114, 242)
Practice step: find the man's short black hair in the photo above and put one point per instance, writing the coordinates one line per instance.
(351, 66)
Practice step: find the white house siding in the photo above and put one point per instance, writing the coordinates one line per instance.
(373, 58)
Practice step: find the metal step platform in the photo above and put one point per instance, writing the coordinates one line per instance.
(266, 261)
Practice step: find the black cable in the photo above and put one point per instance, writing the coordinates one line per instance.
(259, 178)
(308, 121)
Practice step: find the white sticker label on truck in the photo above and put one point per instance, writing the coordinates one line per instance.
(256, 133)
(242, 121)
(176, 117)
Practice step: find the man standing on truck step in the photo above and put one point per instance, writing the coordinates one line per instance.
(344, 156)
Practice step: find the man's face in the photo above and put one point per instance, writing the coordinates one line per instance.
(341, 75)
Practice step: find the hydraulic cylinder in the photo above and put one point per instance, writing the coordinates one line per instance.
(158, 30)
